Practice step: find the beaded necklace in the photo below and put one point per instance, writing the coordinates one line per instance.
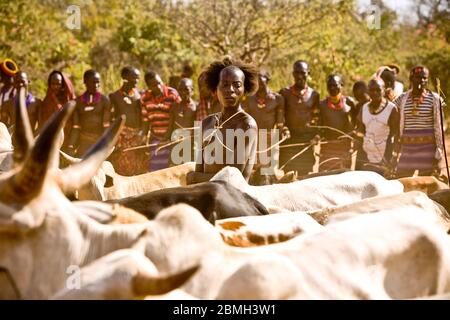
(262, 102)
(334, 106)
(127, 95)
(301, 95)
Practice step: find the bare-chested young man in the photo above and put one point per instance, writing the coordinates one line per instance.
(91, 116)
(237, 147)
(335, 113)
(126, 101)
(301, 110)
(183, 112)
(182, 118)
(267, 108)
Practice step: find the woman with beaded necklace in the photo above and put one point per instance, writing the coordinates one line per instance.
(228, 138)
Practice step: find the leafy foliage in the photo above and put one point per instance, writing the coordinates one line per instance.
(332, 36)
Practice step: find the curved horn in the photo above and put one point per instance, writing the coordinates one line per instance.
(144, 285)
(27, 182)
(77, 175)
(22, 138)
(65, 160)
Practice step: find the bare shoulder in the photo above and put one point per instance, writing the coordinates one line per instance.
(249, 122)
(210, 121)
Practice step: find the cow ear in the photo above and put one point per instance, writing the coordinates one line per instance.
(22, 138)
(27, 181)
(23, 221)
(79, 174)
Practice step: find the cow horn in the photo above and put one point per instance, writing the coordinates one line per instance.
(65, 160)
(28, 181)
(77, 175)
(144, 284)
(22, 138)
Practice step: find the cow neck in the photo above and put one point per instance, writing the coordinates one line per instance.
(100, 239)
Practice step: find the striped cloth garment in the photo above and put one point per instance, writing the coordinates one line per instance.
(418, 141)
(156, 111)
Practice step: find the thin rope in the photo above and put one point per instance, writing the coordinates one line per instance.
(296, 155)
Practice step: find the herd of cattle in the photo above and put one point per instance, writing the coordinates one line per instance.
(353, 235)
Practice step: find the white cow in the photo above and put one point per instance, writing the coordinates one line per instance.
(122, 274)
(187, 239)
(314, 193)
(387, 254)
(43, 235)
(106, 184)
(279, 227)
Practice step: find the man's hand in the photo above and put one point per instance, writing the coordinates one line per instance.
(316, 139)
(285, 133)
(438, 167)
(391, 167)
(143, 136)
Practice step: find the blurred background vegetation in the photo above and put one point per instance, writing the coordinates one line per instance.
(333, 36)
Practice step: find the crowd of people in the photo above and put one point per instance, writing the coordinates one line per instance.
(393, 132)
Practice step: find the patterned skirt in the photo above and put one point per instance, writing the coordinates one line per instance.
(418, 149)
(129, 163)
(159, 159)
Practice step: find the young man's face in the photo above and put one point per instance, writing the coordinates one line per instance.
(300, 74)
(334, 86)
(262, 81)
(132, 78)
(186, 89)
(376, 91)
(21, 80)
(388, 78)
(361, 94)
(419, 80)
(92, 83)
(231, 87)
(155, 84)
